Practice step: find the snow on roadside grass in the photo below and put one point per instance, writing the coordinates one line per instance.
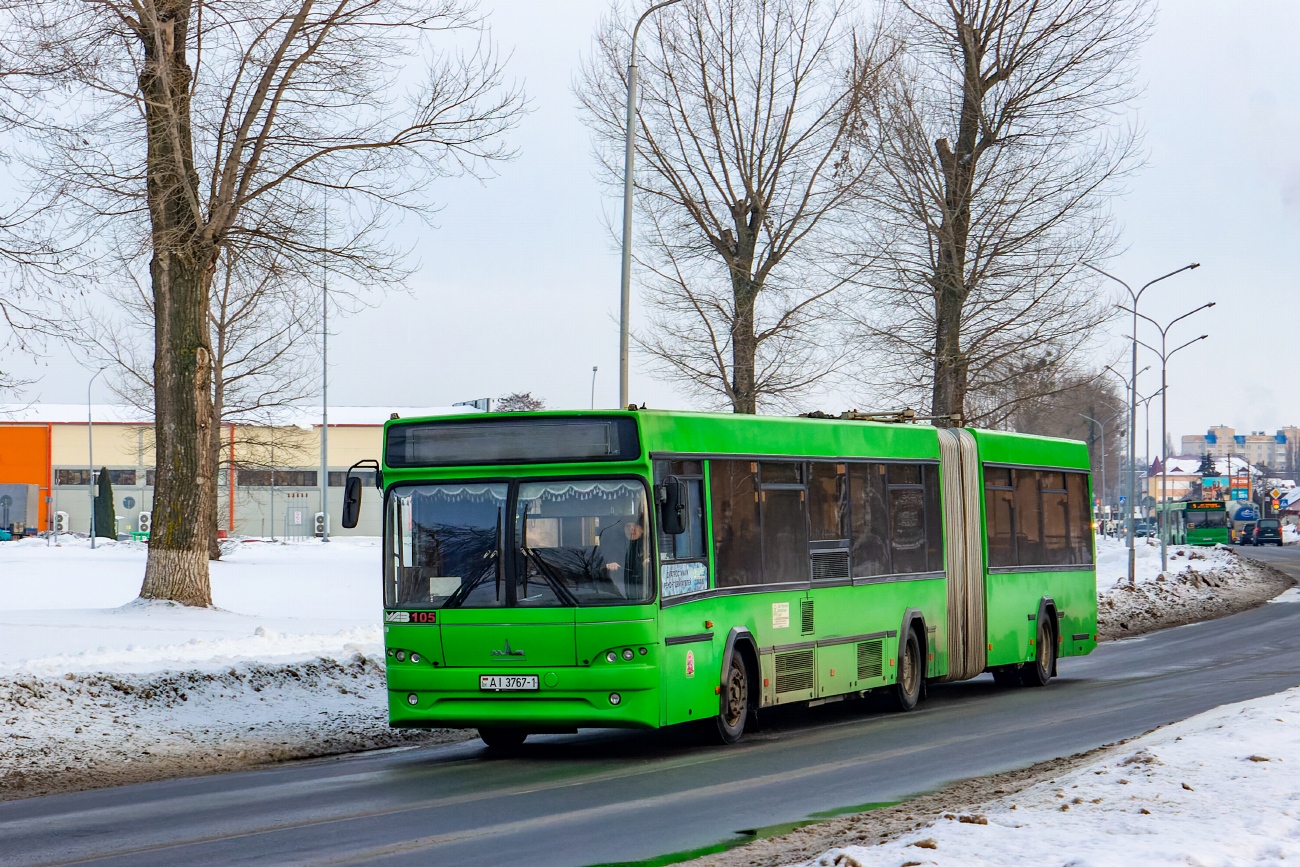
(98, 688)
(1219, 788)
(1201, 583)
(71, 608)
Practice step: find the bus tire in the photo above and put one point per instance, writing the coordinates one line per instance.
(734, 706)
(1039, 672)
(911, 673)
(502, 739)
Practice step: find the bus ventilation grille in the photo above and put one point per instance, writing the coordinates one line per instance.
(830, 565)
(794, 671)
(869, 660)
(806, 617)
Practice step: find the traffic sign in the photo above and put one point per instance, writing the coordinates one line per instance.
(1275, 493)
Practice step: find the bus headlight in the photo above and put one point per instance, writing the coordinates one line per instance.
(413, 699)
(628, 654)
(611, 657)
(615, 698)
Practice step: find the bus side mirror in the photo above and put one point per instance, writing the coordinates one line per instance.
(351, 501)
(672, 507)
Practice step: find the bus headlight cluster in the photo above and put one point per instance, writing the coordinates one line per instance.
(403, 655)
(627, 653)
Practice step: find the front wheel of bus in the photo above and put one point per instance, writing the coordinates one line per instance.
(502, 738)
(1040, 671)
(735, 701)
(907, 691)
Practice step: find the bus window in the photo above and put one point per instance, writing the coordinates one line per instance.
(933, 521)
(784, 524)
(733, 492)
(688, 545)
(869, 520)
(999, 507)
(1029, 528)
(828, 502)
(582, 541)
(443, 545)
(907, 540)
(1056, 519)
(1076, 484)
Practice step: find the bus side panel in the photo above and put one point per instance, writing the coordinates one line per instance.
(1013, 600)
(875, 609)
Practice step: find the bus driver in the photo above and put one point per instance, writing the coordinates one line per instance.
(633, 566)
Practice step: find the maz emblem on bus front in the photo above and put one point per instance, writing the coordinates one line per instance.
(506, 651)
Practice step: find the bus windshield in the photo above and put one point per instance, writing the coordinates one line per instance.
(569, 543)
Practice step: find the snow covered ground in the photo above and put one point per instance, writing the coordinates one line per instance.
(1201, 583)
(1221, 788)
(99, 688)
(72, 609)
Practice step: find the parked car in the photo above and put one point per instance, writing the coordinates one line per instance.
(1268, 532)
(1142, 528)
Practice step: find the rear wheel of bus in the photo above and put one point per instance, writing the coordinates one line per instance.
(1039, 672)
(907, 690)
(502, 739)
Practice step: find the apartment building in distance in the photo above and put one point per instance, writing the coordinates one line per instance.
(1279, 451)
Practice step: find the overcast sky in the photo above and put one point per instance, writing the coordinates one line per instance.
(518, 284)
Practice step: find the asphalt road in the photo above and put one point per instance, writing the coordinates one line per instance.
(599, 797)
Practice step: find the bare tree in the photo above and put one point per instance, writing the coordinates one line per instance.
(998, 154)
(264, 323)
(747, 174)
(234, 118)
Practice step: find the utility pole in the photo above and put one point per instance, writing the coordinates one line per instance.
(1164, 355)
(1132, 403)
(90, 453)
(629, 156)
(324, 386)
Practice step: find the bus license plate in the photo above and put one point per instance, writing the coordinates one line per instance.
(507, 682)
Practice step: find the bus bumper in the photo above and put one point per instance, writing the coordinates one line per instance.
(566, 698)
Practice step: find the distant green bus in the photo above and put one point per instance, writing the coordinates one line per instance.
(1199, 523)
(555, 570)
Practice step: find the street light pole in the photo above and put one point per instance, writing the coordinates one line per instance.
(90, 453)
(1164, 416)
(594, 368)
(629, 153)
(1132, 403)
(324, 387)
(1102, 425)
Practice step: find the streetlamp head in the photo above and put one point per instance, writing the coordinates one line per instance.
(1194, 266)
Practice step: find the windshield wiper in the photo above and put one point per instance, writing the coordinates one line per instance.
(548, 573)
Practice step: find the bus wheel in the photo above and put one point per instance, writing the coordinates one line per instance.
(735, 701)
(907, 690)
(1039, 672)
(502, 738)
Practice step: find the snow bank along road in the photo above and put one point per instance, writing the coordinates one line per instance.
(622, 796)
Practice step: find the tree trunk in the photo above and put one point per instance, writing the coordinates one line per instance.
(951, 366)
(744, 346)
(180, 271)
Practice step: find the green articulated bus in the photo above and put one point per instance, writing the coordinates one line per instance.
(1198, 523)
(554, 570)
